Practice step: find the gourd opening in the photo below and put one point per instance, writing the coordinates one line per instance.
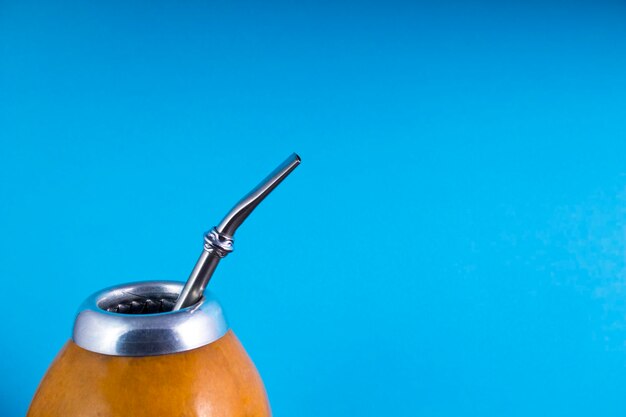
(139, 299)
(133, 304)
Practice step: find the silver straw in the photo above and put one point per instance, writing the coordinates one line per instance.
(219, 241)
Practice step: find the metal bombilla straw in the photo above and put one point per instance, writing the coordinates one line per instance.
(219, 241)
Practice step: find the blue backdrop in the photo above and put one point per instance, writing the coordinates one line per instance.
(454, 242)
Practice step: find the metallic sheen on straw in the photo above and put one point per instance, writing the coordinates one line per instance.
(219, 241)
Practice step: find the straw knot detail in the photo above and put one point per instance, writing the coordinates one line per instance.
(218, 243)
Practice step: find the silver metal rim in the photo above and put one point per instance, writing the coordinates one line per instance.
(109, 333)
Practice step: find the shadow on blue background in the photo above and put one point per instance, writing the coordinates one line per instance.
(453, 243)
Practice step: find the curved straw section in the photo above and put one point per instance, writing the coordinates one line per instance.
(218, 242)
(244, 207)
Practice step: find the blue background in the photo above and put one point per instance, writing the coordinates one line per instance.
(454, 242)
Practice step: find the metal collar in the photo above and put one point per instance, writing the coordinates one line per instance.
(115, 333)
